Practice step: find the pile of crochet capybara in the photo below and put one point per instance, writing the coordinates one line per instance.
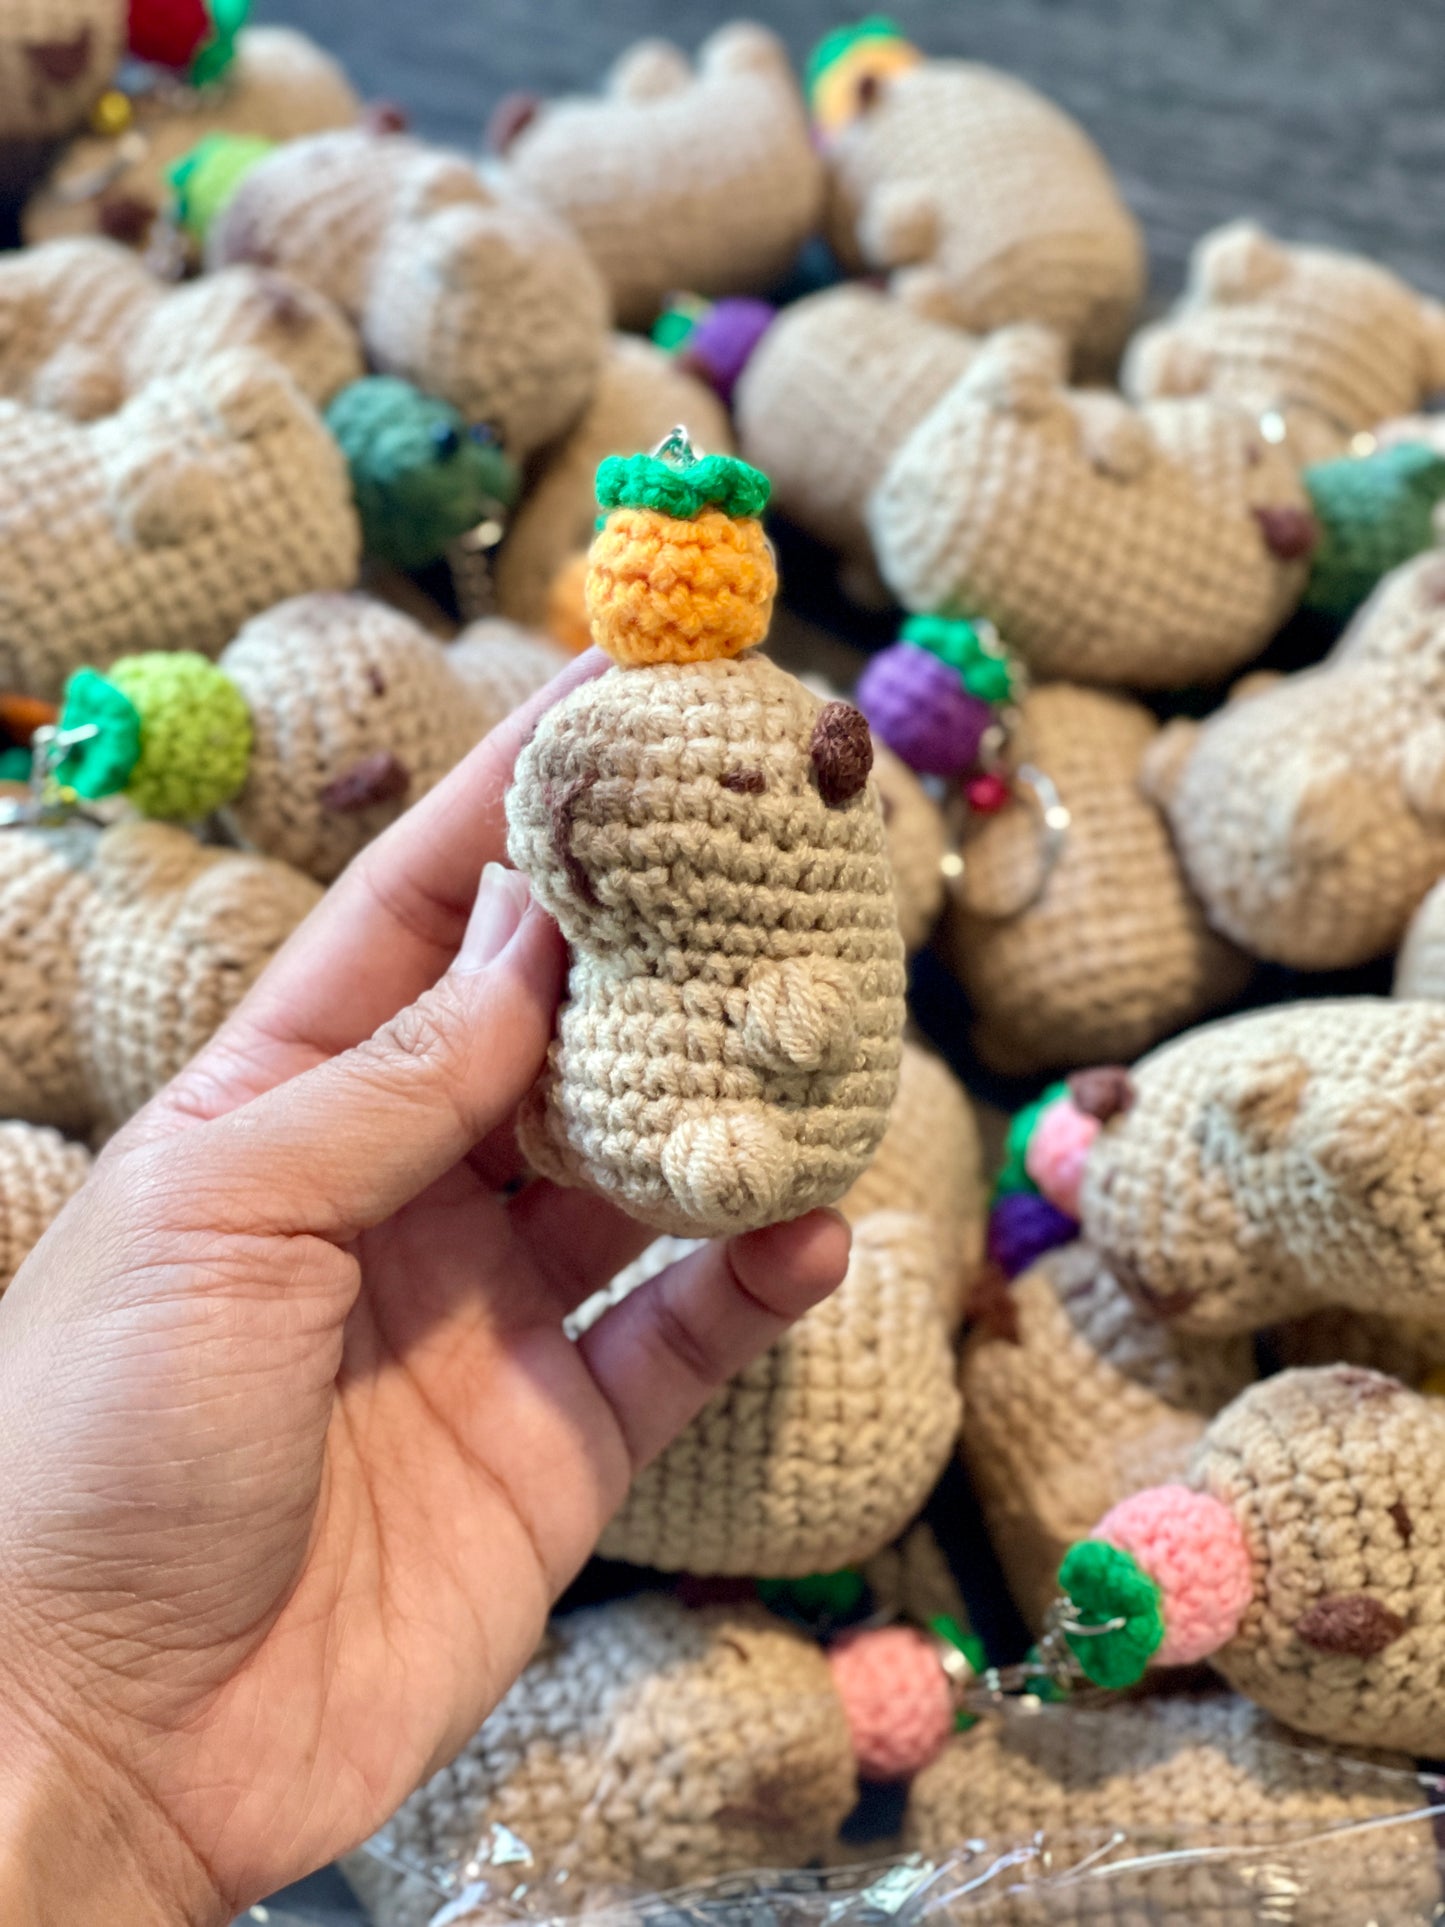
(1077, 943)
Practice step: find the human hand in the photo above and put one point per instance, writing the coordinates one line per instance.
(298, 1454)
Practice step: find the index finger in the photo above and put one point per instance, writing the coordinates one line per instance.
(385, 932)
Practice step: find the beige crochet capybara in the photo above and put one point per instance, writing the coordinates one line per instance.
(680, 176)
(930, 1164)
(84, 325)
(1113, 952)
(40, 1172)
(56, 56)
(1179, 1807)
(985, 203)
(1307, 1546)
(472, 292)
(356, 712)
(645, 1746)
(1279, 1161)
(824, 1450)
(1072, 1399)
(1327, 342)
(709, 839)
(1155, 546)
(835, 386)
(918, 846)
(209, 497)
(1309, 812)
(279, 86)
(1420, 966)
(122, 952)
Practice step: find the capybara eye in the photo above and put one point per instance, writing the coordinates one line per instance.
(744, 782)
(842, 752)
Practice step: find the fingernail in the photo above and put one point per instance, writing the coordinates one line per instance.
(501, 904)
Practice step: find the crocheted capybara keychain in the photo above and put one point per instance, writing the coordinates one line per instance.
(707, 835)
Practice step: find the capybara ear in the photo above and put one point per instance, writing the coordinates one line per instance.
(1117, 440)
(1163, 761)
(81, 383)
(651, 70)
(899, 225)
(1019, 371)
(1261, 1100)
(743, 47)
(1162, 362)
(163, 497)
(248, 395)
(1433, 316)
(1237, 263)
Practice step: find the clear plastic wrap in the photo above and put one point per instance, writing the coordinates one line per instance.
(1261, 1828)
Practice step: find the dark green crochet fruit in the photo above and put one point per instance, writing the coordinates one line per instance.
(683, 492)
(1374, 512)
(421, 476)
(1101, 1584)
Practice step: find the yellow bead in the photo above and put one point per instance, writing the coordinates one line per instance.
(112, 114)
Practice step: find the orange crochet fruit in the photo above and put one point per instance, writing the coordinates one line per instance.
(663, 589)
(567, 619)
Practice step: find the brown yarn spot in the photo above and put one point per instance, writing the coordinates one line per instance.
(386, 117)
(559, 805)
(284, 303)
(61, 62)
(382, 778)
(126, 218)
(1162, 1304)
(1400, 1518)
(869, 92)
(511, 117)
(744, 782)
(377, 681)
(1290, 534)
(991, 1306)
(1105, 1091)
(842, 752)
(1364, 1383)
(1349, 1625)
(772, 1810)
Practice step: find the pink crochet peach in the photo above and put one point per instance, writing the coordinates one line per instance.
(896, 1699)
(1058, 1151)
(1192, 1547)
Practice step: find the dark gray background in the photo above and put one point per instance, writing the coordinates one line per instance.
(1323, 118)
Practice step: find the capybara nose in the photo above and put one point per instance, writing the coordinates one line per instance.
(1289, 533)
(60, 62)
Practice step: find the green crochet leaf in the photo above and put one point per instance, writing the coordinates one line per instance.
(1014, 1175)
(1374, 512)
(828, 1594)
(956, 641)
(203, 181)
(14, 766)
(716, 481)
(1102, 1583)
(842, 40)
(945, 1627)
(101, 765)
(214, 60)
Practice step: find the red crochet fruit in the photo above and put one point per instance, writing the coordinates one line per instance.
(169, 32)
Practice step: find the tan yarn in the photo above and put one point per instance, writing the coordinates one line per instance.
(1115, 953)
(826, 1448)
(1328, 341)
(55, 58)
(1279, 1161)
(645, 1746)
(206, 499)
(917, 837)
(728, 1049)
(281, 86)
(1335, 1477)
(989, 205)
(122, 953)
(1075, 1402)
(1420, 966)
(39, 1175)
(829, 394)
(679, 177)
(466, 289)
(83, 326)
(356, 712)
(1337, 1840)
(641, 395)
(930, 1163)
(1310, 812)
(1109, 544)
(914, 1581)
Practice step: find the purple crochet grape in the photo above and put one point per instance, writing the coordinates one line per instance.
(919, 707)
(720, 345)
(1022, 1227)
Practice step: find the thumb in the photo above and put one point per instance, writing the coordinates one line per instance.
(342, 1147)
